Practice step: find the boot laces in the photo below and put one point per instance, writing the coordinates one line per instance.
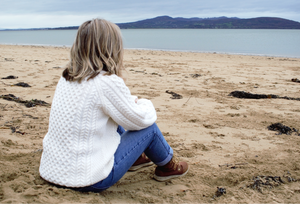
(176, 165)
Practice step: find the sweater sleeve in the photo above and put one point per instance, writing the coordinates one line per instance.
(120, 105)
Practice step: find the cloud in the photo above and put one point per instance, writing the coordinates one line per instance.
(41, 20)
(57, 13)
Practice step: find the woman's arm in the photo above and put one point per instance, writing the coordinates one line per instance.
(125, 109)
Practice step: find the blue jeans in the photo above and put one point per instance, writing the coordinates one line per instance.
(133, 143)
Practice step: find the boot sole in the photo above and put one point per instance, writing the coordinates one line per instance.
(166, 178)
(137, 167)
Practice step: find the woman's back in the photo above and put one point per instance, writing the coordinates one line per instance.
(79, 133)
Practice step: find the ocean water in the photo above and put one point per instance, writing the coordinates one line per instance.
(283, 43)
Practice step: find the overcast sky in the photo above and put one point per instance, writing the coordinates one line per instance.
(60, 13)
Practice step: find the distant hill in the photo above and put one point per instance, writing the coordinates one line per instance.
(58, 28)
(213, 23)
(201, 23)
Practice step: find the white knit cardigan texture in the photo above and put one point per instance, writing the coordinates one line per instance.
(79, 148)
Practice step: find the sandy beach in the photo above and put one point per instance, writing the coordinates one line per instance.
(232, 154)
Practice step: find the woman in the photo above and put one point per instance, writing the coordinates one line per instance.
(86, 147)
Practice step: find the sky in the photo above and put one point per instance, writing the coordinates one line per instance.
(61, 13)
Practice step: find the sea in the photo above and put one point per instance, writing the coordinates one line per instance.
(264, 42)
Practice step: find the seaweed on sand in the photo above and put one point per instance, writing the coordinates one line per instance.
(195, 75)
(269, 182)
(13, 129)
(28, 104)
(174, 95)
(23, 84)
(220, 191)
(282, 129)
(243, 94)
(247, 95)
(10, 77)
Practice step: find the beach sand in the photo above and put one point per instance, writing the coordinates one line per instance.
(224, 139)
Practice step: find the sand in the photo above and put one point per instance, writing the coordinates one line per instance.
(224, 139)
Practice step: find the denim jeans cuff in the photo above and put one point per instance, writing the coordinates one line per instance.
(165, 161)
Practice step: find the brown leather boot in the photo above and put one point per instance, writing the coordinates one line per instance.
(141, 162)
(173, 169)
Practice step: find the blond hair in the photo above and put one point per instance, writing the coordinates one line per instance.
(98, 46)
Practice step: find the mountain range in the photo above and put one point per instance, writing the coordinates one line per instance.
(167, 22)
(213, 23)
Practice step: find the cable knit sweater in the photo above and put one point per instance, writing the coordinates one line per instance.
(79, 148)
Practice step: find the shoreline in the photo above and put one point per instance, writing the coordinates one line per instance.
(145, 49)
(221, 53)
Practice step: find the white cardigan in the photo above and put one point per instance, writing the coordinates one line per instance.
(79, 148)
